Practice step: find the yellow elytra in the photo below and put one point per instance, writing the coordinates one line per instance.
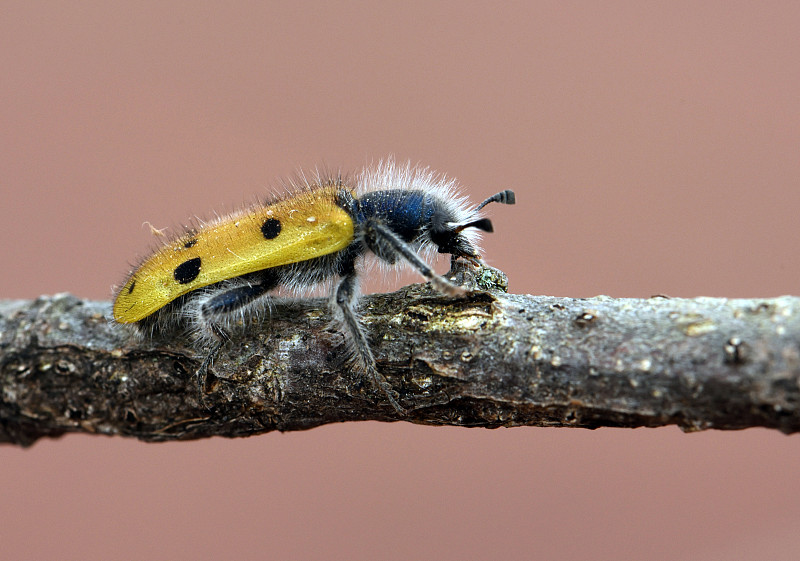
(309, 224)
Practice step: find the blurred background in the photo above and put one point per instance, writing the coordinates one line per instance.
(653, 148)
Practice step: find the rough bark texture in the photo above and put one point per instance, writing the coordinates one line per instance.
(486, 360)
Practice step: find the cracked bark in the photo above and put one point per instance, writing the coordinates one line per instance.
(490, 359)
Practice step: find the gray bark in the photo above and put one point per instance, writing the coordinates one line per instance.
(489, 359)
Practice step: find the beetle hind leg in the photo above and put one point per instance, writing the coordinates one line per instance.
(216, 309)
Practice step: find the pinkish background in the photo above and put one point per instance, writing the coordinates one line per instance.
(654, 148)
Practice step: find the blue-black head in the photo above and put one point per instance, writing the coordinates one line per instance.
(446, 233)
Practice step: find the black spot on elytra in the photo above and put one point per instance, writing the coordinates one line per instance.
(271, 228)
(130, 288)
(190, 243)
(187, 271)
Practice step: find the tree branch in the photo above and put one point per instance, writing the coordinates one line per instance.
(486, 360)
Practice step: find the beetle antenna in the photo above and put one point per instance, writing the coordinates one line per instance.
(506, 197)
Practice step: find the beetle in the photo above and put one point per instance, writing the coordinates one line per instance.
(213, 275)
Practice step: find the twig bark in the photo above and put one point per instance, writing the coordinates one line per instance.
(487, 360)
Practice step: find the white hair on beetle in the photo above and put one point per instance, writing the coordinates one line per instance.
(388, 174)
